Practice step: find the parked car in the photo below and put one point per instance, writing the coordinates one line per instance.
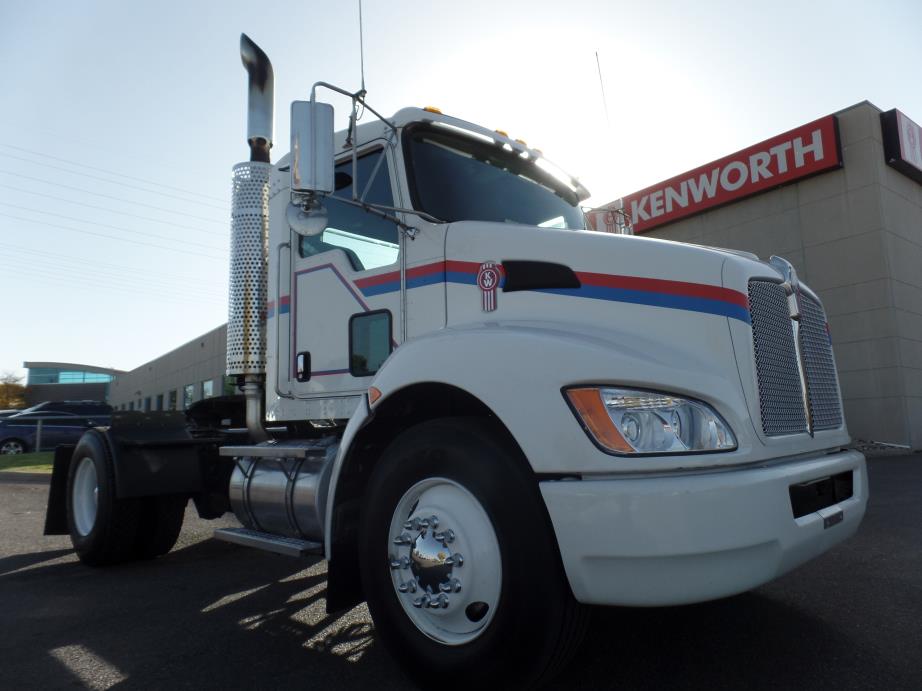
(19, 433)
(75, 407)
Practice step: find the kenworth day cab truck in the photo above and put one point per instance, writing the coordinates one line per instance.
(482, 414)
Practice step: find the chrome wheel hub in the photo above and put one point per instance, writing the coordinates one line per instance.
(444, 561)
(85, 497)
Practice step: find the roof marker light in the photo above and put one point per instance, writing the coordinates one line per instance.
(432, 109)
(502, 132)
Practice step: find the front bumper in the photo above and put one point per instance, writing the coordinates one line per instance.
(678, 539)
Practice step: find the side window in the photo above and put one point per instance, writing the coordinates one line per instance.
(369, 342)
(367, 239)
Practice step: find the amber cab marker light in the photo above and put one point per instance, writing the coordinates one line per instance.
(373, 395)
(588, 405)
(432, 109)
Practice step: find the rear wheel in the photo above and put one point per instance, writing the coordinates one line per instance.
(160, 524)
(459, 562)
(103, 528)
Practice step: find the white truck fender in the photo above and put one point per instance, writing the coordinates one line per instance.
(518, 370)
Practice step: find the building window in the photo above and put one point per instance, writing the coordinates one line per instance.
(130, 405)
(173, 400)
(188, 394)
(159, 401)
(207, 388)
(147, 404)
(55, 375)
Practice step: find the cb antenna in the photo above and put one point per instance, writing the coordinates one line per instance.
(361, 48)
(601, 84)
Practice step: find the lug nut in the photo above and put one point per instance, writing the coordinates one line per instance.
(434, 521)
(403, 539)
(422, 601)
(455, 560)
(394, 562)
(440, 602)
(446, 536)
(407, 587)
(452, 586)
(417, 523)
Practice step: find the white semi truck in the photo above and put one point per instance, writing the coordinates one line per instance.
(484, 416)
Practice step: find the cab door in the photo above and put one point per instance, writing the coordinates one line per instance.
(345, 288)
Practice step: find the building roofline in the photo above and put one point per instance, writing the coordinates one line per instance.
(177, 348)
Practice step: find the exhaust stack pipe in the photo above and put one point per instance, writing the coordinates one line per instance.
(261, 102)
(246, 320)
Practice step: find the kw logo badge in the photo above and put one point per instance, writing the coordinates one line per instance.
(488, 279)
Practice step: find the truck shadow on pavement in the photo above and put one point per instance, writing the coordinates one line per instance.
(213, 615)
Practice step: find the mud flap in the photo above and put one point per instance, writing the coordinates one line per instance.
(56, 515)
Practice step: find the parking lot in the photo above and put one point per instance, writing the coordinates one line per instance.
(213, 615)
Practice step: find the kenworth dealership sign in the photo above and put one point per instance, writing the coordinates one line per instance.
(806, 150)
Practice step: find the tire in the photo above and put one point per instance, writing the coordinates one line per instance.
(103, 531)
(12, 447)
(160, 523)
(506, 617)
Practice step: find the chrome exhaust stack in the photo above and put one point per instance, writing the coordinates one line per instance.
(261, 100)
(246, 321)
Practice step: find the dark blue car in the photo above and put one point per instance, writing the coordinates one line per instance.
(19, 433)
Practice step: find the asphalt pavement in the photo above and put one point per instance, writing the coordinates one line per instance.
(216, 616)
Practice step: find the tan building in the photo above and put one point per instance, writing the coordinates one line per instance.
(852, 230)
(174, 381)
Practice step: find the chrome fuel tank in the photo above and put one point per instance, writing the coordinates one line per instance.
(285, 495)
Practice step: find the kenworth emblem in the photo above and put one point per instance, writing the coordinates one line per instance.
(488, 280)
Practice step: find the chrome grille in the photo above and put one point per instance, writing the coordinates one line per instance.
(822, 383)
(780, 393)
(781, 399)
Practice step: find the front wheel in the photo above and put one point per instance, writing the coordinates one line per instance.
(459, 561)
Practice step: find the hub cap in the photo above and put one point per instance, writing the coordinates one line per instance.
(444, 561)
(8, 448)
(85, 498)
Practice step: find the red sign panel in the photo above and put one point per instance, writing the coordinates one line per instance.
(806, 150)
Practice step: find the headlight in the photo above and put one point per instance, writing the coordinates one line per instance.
(627, 421)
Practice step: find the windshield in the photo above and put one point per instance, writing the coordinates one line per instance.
(458, 178)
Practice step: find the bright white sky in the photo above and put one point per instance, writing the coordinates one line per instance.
(120, 122)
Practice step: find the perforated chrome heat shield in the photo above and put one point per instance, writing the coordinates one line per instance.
(246, 320)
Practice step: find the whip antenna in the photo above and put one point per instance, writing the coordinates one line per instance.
(361, 47)
(601, 83)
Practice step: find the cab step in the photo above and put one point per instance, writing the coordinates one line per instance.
(288, 546)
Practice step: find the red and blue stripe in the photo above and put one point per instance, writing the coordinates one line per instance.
(653, 292)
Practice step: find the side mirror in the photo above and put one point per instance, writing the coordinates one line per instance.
(312, 147)
(311, 166)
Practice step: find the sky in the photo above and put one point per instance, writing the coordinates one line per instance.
(120, 122)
